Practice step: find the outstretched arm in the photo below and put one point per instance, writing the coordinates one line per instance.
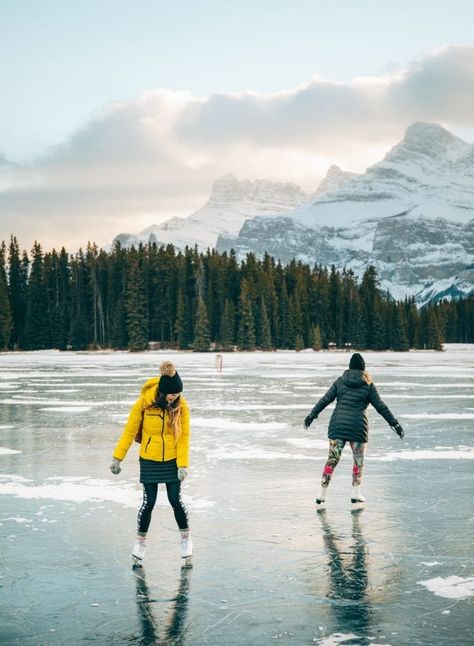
(325, 400)
(381, 407)
(130, 430)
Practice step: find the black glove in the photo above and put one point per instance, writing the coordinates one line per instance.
(308, 420)
(399, 431)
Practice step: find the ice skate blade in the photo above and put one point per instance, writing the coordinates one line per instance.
(357, 504)
(136, 561)
(320, 504)
(187, 562)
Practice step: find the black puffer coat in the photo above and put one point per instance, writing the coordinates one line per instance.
(354, 392)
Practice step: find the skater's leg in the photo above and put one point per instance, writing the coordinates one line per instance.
(150, 493)
(358, 453)
(335, 451)
(173, 490)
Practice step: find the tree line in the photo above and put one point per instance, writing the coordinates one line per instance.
(128, 298)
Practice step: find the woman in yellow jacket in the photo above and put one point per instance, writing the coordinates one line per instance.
(162, 414)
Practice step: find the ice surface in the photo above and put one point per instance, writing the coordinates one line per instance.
(267, 566)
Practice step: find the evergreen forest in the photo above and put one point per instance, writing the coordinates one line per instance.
(154, 296)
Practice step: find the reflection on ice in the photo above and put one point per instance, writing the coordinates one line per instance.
(173, 629)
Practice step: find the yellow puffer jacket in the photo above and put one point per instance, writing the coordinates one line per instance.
(158, 441)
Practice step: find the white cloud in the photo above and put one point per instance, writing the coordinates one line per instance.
(156, 156)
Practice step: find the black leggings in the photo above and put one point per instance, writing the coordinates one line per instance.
(150, 494)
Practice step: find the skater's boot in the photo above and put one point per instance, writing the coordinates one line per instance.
(357, 497)
(186, 544)
(138, 550)
(321, 499)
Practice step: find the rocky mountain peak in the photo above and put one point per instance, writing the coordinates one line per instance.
(335, 179)
(228, 190)
(429, 140)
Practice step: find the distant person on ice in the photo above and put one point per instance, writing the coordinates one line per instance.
(354, 391)
(161, 417)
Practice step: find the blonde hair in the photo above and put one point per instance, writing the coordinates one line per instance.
(174, 410)
(174, 418)
(366, 377)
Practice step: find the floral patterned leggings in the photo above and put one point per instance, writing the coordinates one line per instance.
(335, 452)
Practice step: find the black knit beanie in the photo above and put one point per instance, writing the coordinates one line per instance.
(170, 381)
(357, 362)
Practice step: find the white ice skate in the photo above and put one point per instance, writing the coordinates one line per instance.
(138, 551)
(186, 548)
(357, 499)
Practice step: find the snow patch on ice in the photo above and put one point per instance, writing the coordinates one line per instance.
(451, 587)
(430, 563)
(466, 453)
(63, 390)
(67, 409)
(262, 406)
(84, 489)
(255, 454)
(5, 451)
(4, 427)
(335, 639)
(303, 443)
(229, 424)
(438, 415)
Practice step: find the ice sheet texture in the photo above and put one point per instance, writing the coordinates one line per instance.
(267, 567)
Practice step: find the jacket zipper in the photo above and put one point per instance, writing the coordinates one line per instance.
(162, 431)
(146, 447)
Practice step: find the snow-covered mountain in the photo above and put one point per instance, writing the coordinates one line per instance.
(430, 172)
(411, 215)
(231, 203)
(335, 179)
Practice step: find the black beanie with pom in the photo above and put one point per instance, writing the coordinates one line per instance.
(170, 381)
(357, 362)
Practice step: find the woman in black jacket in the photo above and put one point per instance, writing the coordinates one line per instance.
(354, 391)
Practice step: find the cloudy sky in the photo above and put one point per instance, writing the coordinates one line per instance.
(115, 115)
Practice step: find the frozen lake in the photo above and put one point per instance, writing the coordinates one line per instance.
(267, 567)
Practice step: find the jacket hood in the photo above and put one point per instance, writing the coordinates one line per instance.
(149, 390)
(356, 378)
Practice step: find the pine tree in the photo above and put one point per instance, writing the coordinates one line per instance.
(434, 336)
(246, 334)
(180, 325)
(359, 334)
(6, 320)
(336, 305)
(285, 328)
(202, 339)
(398, 331)
(264, 337)
(316, 342)
(17, 286)
(137, 321)
(377, 331)
(79, 333)
(413, 324)
(227, 329)
(116, 316)
(299, 343)
(37, 320)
